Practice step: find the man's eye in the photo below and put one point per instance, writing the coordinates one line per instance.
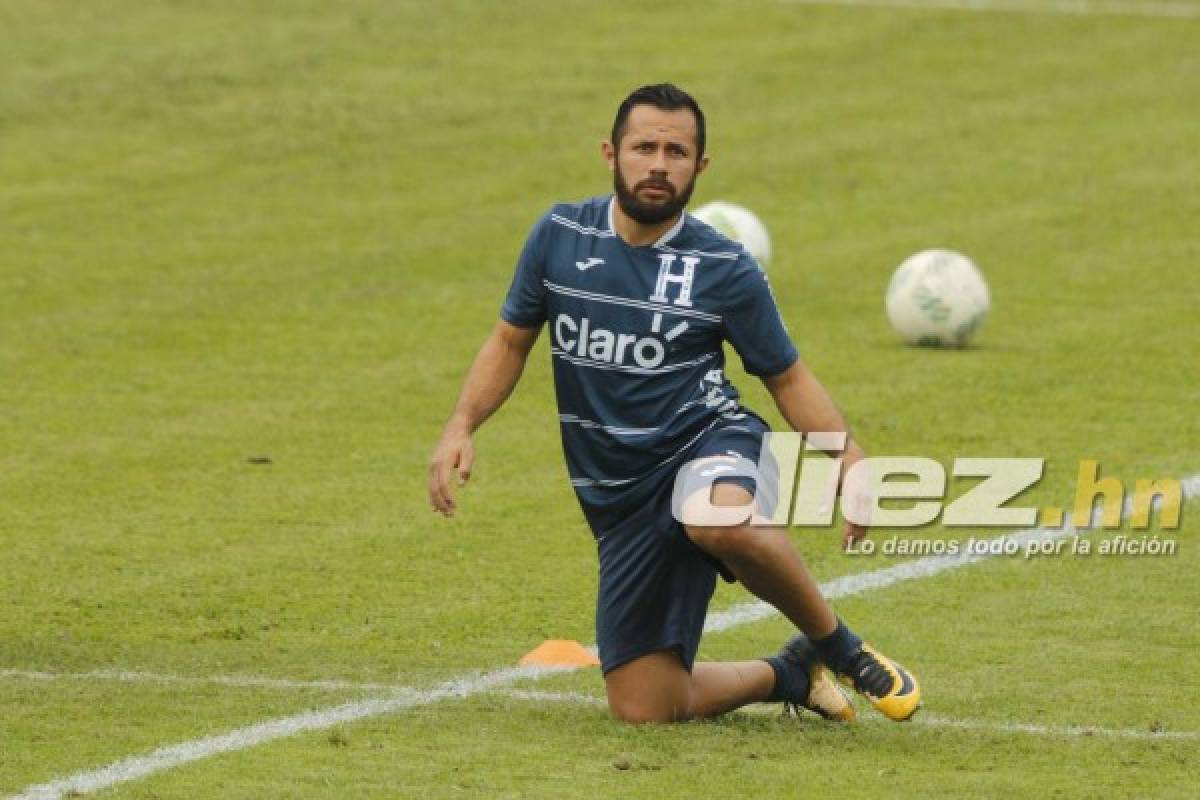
(676, 150)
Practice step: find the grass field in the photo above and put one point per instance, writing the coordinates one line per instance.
(248, 250)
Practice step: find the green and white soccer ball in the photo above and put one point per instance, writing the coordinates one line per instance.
(937, 298)
(741, 225)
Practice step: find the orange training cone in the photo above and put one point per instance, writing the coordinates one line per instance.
(560, 653)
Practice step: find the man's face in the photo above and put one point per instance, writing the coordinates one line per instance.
(654, 165)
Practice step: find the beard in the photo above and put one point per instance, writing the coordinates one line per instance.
(650, 213)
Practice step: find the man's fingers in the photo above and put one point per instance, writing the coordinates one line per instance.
(853, 534)
(437, 500)
(441, 496)
(450, 464)
(446, 484)
(431, 487)
(466, 460)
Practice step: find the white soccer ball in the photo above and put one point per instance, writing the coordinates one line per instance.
(739, 224)
(937, 298)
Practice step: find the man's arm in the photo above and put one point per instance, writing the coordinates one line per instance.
(491, 379)
(807, 407)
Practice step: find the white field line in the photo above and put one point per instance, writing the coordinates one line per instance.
(847, 585)
(175, 755)
(578, 698)
(172, 756)
(923, 719)
(1037, 729)
(925, 567)
(1078, 8)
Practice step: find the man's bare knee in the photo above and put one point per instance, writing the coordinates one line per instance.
(725, 541)
(651, 689)
(642, 711)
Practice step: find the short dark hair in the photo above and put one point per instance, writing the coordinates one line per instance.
(666, 96)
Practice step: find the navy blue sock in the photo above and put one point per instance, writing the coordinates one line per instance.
(791, 682)
(837, 647)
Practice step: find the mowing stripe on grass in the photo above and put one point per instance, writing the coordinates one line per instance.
(1156, 10)
(1078, 8)
(236, 681)
(172, 756)
(923, 719)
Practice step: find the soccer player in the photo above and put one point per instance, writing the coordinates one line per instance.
(638, 298)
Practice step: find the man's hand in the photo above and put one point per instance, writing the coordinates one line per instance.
(493, 374)
(856, 494)
(852, 534)
(450, 464)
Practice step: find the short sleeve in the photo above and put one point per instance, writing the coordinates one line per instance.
(753, 324)
(525, 303)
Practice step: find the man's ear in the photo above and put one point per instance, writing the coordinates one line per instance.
(702, 164)
(610, 154)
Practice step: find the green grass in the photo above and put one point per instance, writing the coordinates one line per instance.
(282, 230)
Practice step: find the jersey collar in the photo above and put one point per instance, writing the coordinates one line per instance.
(662, 240)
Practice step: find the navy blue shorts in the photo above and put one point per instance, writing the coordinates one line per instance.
(655, 583)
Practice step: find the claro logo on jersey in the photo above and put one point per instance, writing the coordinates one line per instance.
(580, 338)
(599, 344)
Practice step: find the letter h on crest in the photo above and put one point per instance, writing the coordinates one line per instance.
(667, 277)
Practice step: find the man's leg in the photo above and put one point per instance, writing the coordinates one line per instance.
(655, 586)
(768, 565)
(656, 687)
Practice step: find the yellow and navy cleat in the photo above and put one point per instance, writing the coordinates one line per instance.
(892, 689)
(824, 696)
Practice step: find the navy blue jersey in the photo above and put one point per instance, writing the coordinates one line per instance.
(636, 339)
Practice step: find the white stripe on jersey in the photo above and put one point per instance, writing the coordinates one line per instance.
(729, 256)
(584, 482)
(575, 226)
(625, 301)
(661, 244)
(587, 362)
(587, 423)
